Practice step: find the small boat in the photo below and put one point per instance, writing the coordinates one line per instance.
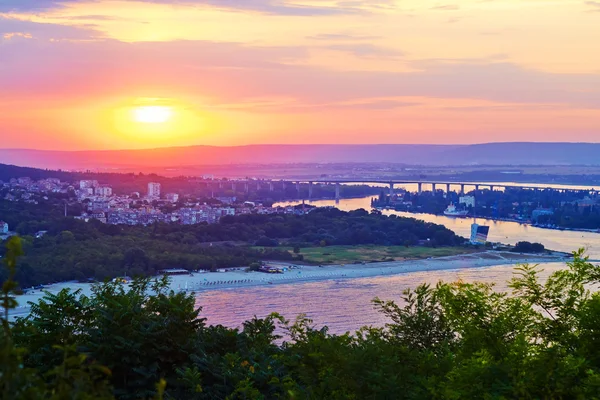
(452, 211)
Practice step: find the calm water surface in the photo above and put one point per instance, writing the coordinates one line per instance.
(346, 305)
(500, 231)
(342, 305)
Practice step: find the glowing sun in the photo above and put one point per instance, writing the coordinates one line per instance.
(152, 114)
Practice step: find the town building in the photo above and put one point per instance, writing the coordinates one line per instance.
(585, 203)
(468, 201)
(538, 212)
(172, 197)
(103, 190)
(88, 184)
(3, 227)
(154, 190)
(479, 233)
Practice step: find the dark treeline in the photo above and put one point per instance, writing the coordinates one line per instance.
(75, 250)
(570, 209)
(452, 341)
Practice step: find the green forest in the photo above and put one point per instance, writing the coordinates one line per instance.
(449, 341)
(570, 208)
(75, 250)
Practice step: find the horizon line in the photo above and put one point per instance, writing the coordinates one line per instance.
(290, 145)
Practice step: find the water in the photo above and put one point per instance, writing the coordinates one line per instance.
(342, 305)
(346, 305)
(500, 231)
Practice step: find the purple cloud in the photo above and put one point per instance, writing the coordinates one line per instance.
(340, 37)
(366, 50)
(37, 30)
(276, 7)
(594, 4)
(235, 73)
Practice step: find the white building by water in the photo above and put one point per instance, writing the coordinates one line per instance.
(468, 201)
(479, 233)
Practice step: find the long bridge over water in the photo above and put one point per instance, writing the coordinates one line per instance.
(391, 184)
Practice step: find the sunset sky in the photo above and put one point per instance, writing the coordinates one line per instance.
(104, 74)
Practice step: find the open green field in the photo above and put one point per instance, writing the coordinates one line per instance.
(373, 253)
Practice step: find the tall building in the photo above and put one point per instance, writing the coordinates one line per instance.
(88, 183)
(172, 197)
(479, 234)
(104, 191)
(154, 190)
(468, 201)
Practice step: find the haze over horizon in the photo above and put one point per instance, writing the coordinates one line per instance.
(114, 74)
(516, 153)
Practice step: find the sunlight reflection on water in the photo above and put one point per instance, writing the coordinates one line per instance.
(345, 305)
(342, 305)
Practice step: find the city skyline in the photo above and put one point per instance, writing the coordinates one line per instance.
(81, 75)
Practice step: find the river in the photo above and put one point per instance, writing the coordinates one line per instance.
(345, 305)
(500, 231)
(341, 305)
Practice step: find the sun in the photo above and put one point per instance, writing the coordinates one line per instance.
(152, 114)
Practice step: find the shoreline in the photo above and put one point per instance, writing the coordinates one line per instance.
(209, 281)
(520, 222)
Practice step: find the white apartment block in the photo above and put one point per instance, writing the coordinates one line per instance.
(468, 201)
(154, 190)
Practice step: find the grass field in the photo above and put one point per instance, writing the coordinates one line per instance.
(372, 253)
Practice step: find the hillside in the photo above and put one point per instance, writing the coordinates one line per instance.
(487, 154)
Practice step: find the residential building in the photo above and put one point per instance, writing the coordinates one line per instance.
(154, 190)
(88, 183)
(468, 201)
(585, 203)
(172, 197)
(103, 190)
(541, 211)
(99, 205)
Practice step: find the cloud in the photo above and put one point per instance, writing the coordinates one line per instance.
(17, 27)
(373, 105)
(366, 50)
(291, 106)
(274, 7)
(342, 37)
(446, 7)
(595, 5)
(235, 73)
(30, 5)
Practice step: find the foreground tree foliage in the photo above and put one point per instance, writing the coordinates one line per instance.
(452, 341)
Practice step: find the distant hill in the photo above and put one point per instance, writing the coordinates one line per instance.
(482, 154)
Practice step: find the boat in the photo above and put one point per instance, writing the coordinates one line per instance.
(452, 211)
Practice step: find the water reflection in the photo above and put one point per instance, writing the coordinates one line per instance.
(342, 305)
(345, 305)
(500, 231)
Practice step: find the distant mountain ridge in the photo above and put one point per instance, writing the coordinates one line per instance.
(517, 153)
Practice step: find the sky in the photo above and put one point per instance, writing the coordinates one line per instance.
(110, 74)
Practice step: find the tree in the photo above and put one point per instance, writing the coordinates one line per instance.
(254, 266)
(266, 242)
(527, 247)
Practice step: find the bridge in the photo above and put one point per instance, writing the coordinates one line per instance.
(434, 185)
